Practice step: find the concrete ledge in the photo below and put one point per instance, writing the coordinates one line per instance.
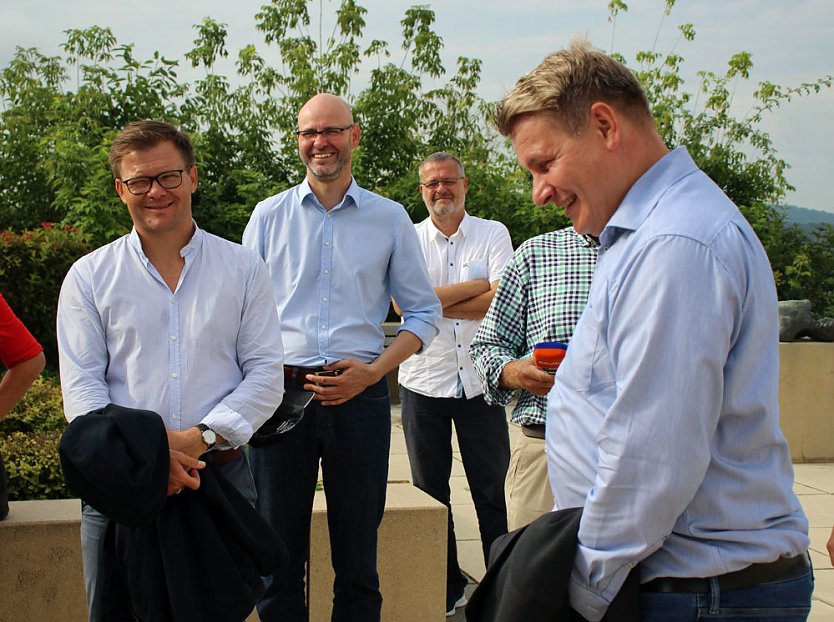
(40, 562)
(41, 573)
(411, 557)
(806, 399)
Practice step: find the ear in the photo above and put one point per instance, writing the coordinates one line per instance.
(606, 123)
(355, 134)
(465, 185)
(193, 175)
(120, 190)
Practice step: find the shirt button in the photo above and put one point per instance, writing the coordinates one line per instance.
(327, 243)
(324, 325)
(174, 375)
(173, 337)
(327, 271)
(324, 299)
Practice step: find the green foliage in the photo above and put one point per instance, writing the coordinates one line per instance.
(33, 466)
(59, 116)
(32, 267)
(739, 155)
(29, 437)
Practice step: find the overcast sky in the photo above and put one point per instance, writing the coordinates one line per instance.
(792, 41)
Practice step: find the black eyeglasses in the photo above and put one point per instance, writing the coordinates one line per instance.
(328, 132)
(450, 181)
(142, 185)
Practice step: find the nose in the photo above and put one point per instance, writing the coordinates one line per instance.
(156, 188)
(542, 191)
(319, 141)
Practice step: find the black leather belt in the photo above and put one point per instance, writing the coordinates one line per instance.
(220, 458)
(298, 375)
(533, 430)
(755, 574)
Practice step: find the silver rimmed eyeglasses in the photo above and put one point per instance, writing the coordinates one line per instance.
(328, 132)
(435, 183)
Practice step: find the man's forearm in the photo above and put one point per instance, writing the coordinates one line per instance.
(17, 380)
(404, 345)
(459, 292)
(474, 308)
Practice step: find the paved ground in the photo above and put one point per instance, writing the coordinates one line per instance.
(814, 486)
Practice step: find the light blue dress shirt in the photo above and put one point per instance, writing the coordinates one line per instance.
(209, 352)
(335, 271)
(663, 421)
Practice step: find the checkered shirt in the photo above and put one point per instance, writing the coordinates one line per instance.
(540, 297)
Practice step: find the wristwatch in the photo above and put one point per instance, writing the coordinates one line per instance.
(209, 437)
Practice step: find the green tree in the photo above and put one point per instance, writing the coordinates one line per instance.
(737, 153)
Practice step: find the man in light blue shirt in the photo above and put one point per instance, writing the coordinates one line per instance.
(170, 319)
(336, 254)
(663, 419)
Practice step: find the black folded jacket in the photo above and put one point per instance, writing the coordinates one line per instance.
(199, 555)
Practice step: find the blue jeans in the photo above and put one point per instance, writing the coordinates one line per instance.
(484, 442)
(94, 529)
(352, 441)
(787, 600)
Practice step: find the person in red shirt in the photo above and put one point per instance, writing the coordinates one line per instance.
(23, 357)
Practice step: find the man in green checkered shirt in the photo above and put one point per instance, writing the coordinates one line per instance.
(540, 298)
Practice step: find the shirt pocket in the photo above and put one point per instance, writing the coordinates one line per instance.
(475, 269)
(588, 364)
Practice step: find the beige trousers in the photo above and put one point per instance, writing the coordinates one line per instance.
(527, 488)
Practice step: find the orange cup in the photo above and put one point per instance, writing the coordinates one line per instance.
(548, 355)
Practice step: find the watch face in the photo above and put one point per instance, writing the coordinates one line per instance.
(209, 437)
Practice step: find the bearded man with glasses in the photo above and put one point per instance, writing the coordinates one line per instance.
(337, 253)
(171, 319)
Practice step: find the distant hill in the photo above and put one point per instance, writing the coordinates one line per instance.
(807, 219)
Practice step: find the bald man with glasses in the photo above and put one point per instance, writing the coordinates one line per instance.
(337, 253)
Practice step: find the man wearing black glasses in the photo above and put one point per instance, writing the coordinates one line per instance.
(466, 258)
(170, 319)
(337, 253)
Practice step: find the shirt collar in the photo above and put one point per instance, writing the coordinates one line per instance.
(306, 196)
(193, 246)
(644, 195)
(462, 231)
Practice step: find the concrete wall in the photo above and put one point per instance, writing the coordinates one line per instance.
(40, 562)
(41, 576)
(806, 399)
(411, 558)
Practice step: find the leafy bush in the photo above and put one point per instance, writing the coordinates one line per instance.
(33, 467)
(29, 437)
(32, 267)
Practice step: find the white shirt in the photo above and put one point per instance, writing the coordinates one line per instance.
(208, 352)
(479, 249)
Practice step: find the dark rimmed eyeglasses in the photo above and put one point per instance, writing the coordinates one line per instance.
(167, 180)
(328, 132)
(435, 183)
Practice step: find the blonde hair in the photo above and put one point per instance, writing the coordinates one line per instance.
(567, 83)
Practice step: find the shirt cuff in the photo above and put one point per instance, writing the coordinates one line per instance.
(588, 604)
(230, 425)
